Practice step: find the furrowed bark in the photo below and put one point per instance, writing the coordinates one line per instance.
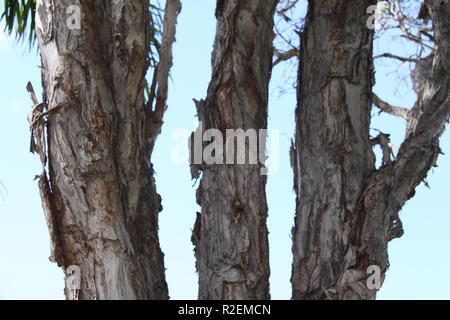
(101, 191)
(347, 210)
(230, 235)
(332, 154)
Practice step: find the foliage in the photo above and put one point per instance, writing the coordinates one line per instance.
(156, 21)
(19, 17)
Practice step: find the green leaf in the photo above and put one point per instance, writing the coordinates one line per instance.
(19, 18)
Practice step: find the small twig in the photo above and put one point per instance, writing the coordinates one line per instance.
(172, 10)
(393, 56)
(159, 88)
(427, 34)
(283, 56)
(290, 5)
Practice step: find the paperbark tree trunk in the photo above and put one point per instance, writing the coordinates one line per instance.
(230, 234)
(347, 209)
(100, 196)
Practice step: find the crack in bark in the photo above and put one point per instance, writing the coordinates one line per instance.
(100, 191)
(371, 217)
(230, 233)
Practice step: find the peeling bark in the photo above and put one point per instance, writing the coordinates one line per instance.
(332, 155)
(230, 235)
(347, 210)
(101, 193)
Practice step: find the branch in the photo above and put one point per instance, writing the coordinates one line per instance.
(420, 150)
(284, 56)
(161, 76)
(402, 21)
(426, 33)
(393, 56)
(173, 8)
(289, 6)
(386, 107)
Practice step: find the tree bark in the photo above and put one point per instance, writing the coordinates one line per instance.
(333, 156)
(100, 195)
(347, 209)
(230, 234)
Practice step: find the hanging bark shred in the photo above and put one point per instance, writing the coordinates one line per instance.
(38, 145)
(157, 104)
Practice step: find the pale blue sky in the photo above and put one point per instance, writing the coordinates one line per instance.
(419, 260)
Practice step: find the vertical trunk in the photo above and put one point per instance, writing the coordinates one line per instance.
(230, 235)
(100, 193)
(332, 156)
(347, 210)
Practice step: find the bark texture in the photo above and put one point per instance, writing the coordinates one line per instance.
(347, 209)
(230, 234)
(100, 192)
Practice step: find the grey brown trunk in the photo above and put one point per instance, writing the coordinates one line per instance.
(230, 234)
(347, 210)
(332, 156)
(101, 192)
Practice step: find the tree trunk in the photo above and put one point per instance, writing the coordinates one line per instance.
(332, 155)
(230, 234)
(100, 196)
(347, 209)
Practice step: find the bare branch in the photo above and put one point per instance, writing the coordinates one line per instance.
(291, 4)
(393, 56)
(410, 27)
(284, 56)
(427, 34)
(161, 76)
(420, 150)
(386, 107)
